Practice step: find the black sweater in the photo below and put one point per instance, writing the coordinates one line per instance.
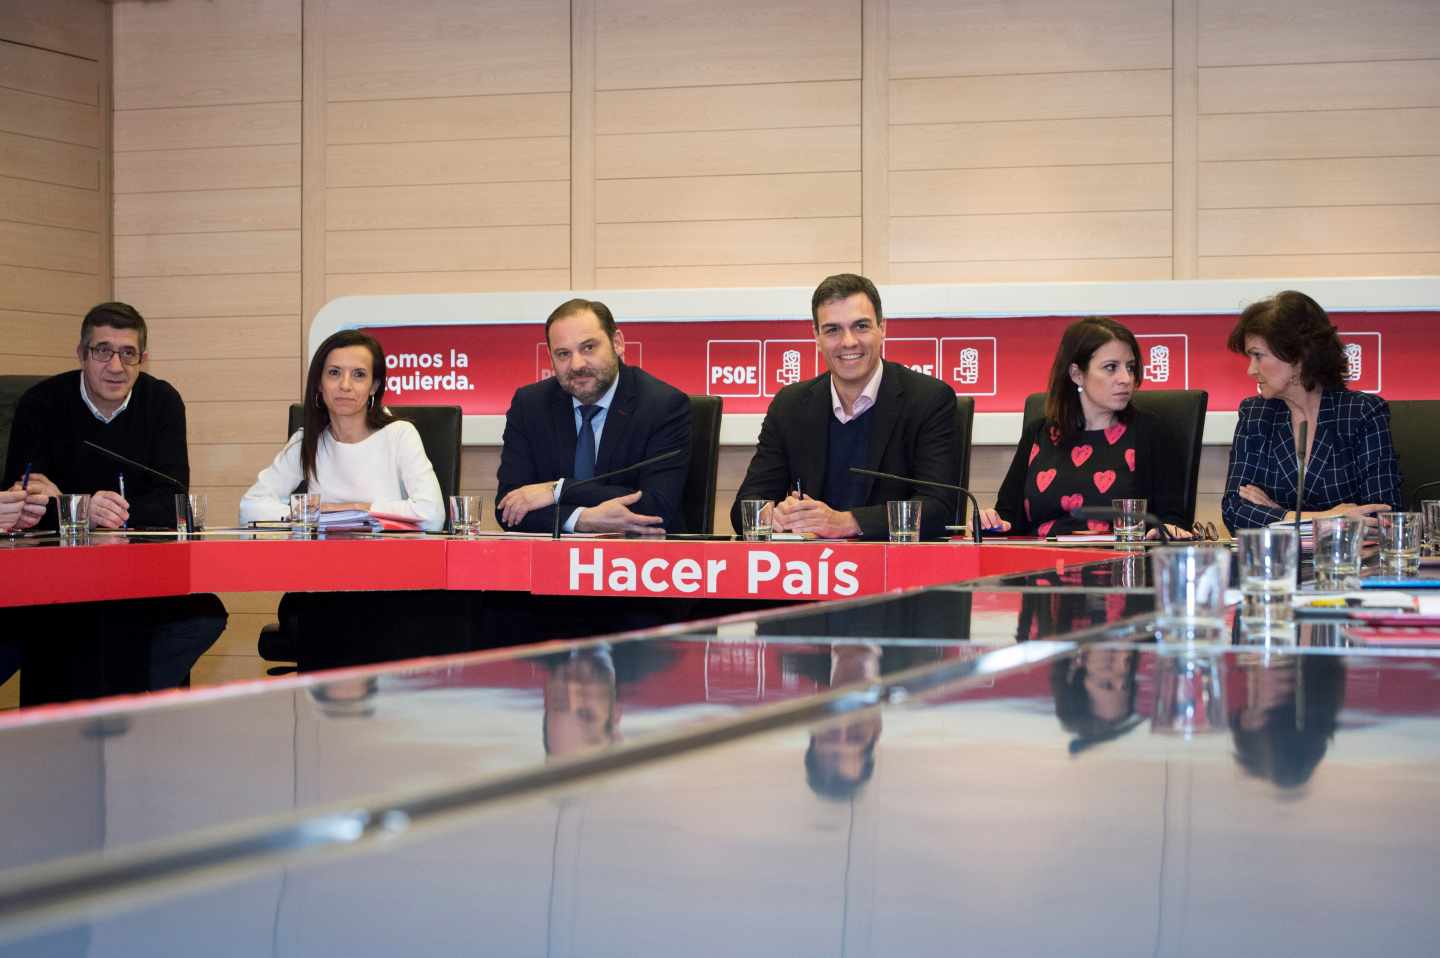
(52, 422)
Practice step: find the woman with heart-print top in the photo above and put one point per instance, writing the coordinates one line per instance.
(1091, 446)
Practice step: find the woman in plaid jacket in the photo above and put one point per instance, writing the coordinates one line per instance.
(1299, 367)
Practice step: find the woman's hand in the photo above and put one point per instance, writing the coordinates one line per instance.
(990, 521)
(1258, 496)
(1175, 532)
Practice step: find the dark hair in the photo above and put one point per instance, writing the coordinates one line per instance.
(317, 416)
(1076, 711)
(826, 781)
(1297, 330)
(116, 316)
(1079, 343)
(843, 286)
(572, 306)
(1295, 735)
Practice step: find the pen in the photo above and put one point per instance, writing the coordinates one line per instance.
(25, 479)
(121, 477)
(798, 493)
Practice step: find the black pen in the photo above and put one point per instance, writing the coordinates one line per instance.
(798, 493)
(25, 479)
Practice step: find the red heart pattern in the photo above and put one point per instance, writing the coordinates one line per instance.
(1072, 502)
(1044, 528)
(1044, 478)
(1034, 450)
(1079, 454)
(1113, 434)
(1104, 480)
(1097, 525)
(1130, 459)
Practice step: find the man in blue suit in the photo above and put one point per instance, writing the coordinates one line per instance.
(595, 415)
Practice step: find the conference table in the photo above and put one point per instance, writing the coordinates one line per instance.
(1020, 760)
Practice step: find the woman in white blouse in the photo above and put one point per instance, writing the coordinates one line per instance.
(354, 454)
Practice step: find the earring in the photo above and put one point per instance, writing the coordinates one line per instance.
(318, 403)
(1079, 390)
(372, 400)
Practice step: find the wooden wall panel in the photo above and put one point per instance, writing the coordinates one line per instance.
(742, 107)
(1320, 133)
(188, 254)
(1036, 235)
(780, 195)
(448, 118)
(54, 187)
(1342, 264)
(191, 53)
(1333, 86)
(1339, 182)
(445, 281)
(1320, 229)
(729, 242)
(233, 337)
(221, 168)
(444, 48)
(1082, 270)
(937, 38)
(1241, 32)
(208, 211)
(1030, 143)
(188, 128)
(707, 153)
(749, 274)
(700, 43)
(541, 203)
(461, 161)
(254, 294)
(1030, 189)
(415, 250)
(1033, 96)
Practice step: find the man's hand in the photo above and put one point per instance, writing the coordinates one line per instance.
(521, 501)
(39, 483)
(108, 510)
(1258, 496)
(815, 517)
(614, 515)
(20, 510)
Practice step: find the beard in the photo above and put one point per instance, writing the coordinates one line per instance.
(593, 384)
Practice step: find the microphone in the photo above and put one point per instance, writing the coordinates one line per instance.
(571, 485)
(1415, 496)
(933, 485)
(168, 480)
(1109, 512)
(1300, 485)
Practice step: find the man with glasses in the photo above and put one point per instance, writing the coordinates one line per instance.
(111, 403)
(89, 649)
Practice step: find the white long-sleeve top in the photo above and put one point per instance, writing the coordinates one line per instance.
(388, 469)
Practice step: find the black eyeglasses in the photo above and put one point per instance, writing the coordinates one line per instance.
(129, 355)
(1206, 531)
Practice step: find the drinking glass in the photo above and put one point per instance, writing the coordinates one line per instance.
(904, 516)
(1129, 521)
(189, 513)
(1400, 536)
(755, 519)
(1269, 560)
(1190, 584)
(1337, 551)
(74, 515)
(465, 515)
(305, 512)
(1430, 509)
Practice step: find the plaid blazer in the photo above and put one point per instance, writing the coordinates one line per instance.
(1351, 460)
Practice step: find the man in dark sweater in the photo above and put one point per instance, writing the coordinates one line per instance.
(864, 412)
(128, 646)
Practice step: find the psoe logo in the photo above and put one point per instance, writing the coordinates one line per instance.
(1363, 371)
(1165, 359)
(732, 367)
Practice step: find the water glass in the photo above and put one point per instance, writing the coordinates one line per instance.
(755, 519)
(74, 515)
(904, 516)
(1190, 584)
(1400, 536)
(189, 513)
(1129, 521)
(1337, 551)
(465, 515)
(1269, 560)
(305, 512)
(1430, 509)
(1189, 695)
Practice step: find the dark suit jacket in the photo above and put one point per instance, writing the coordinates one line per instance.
(913, 434)
(646, 417)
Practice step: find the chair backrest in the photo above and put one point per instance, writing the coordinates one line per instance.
(964, 429)
(698, 501)
(11, 389)
(1182, 414)
(1415, 428)
(439, 428)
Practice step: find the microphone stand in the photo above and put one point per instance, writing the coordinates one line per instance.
(1300, 490)
(571, 486)
(933, 485)
(168, 480)
(1109, 512)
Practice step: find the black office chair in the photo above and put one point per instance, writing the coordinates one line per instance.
(439, 428)
(11, 389)
(964, 430)
(1183, 413)
(698, 502)
(1415, 428)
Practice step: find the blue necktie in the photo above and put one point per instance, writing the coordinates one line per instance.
(585, 443)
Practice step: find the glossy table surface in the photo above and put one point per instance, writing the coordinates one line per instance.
(1004, 768)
